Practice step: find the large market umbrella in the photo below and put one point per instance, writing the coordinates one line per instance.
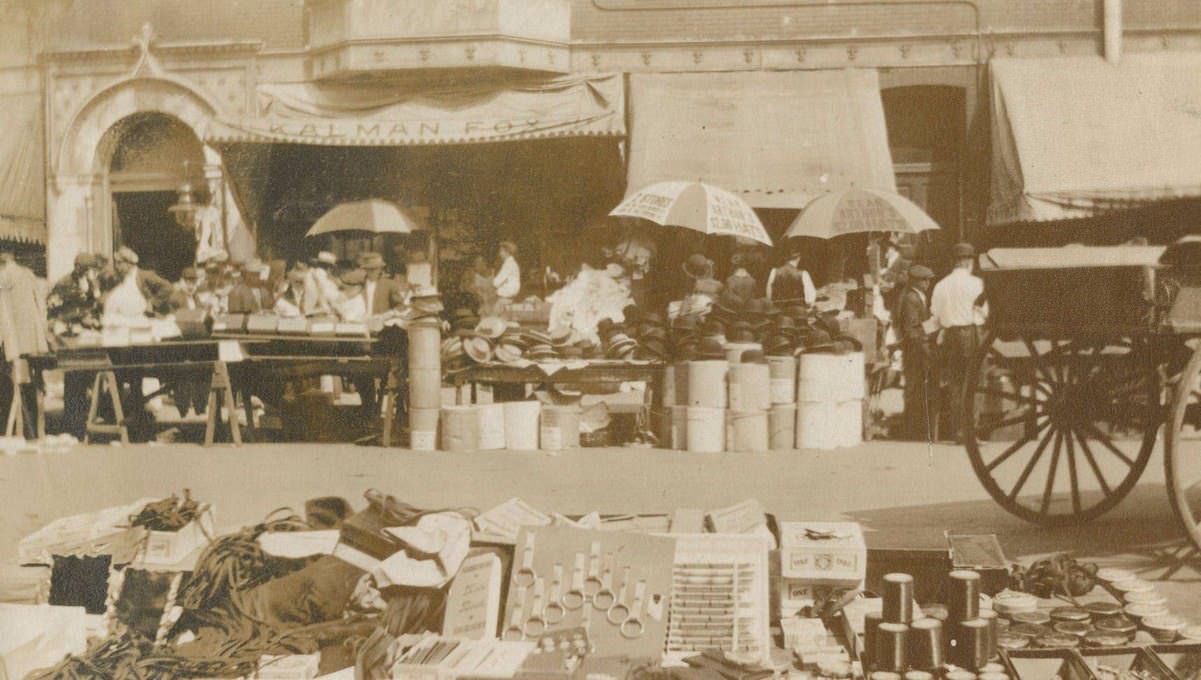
(374, 215)
(693, 205)
(855, 210)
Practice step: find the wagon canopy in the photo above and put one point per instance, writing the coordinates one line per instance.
(1076, 136)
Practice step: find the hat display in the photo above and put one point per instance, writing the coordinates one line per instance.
(963, 251)
(920, 272)
(492, 327)
(478, 348)
(371, 261)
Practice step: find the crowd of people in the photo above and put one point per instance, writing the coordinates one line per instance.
(100, 292)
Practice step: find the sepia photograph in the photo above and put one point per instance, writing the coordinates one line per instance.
(600, 339)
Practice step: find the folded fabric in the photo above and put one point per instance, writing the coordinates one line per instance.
(433, 551)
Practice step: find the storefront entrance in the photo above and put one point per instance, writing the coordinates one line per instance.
(153, 154)
(142, 222)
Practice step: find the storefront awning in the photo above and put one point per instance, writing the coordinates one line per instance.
(1076, 136)
(778, 139)
(388, 115)
(22, 175)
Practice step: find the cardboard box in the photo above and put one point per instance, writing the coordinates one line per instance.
(981, 553)
(827, 553)
(171, 547)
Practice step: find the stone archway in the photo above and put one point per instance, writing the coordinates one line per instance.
(79, 207)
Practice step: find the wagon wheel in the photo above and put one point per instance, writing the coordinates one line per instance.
(1182, 449)
(1060, 430)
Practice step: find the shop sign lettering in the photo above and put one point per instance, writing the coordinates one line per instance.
(411, 131)
(860, 215)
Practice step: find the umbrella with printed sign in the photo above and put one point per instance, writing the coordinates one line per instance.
(855, 211)
(693, 205)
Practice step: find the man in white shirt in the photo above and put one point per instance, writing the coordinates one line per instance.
(958, 306)
(508, 279)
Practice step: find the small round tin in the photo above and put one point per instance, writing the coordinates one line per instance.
(1038, 617)
(959, 675)
(1030, 630)
(1102, 609)
(1099, 638)
(919, 675)
(1132, 585)
(1074, 628)
(1009, 602)
(1057, 641)
(1072, 614)
(1012, 641)
(1118, 625)
(1151, 597)
(1138, 612)
(1112, 574)
(1164, 629)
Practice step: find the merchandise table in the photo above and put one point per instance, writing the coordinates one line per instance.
(591, 373)
(245, 362)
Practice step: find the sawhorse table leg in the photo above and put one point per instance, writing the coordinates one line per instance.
(105, 383)
(221, 394)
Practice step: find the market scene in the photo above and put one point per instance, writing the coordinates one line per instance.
(600, 339)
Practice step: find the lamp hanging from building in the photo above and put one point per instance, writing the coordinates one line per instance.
(186, 210)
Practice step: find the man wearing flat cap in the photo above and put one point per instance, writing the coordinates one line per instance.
(911, 317)
(959, 309)
(74, 301)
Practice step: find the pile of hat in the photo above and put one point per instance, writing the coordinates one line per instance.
(426, 304)
(649, 333)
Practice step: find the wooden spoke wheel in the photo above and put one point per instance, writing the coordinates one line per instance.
(1182, 448)
(1059, 431)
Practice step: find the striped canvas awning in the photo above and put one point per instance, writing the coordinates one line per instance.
(22, 171)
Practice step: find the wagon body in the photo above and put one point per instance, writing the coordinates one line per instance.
(1092, 351)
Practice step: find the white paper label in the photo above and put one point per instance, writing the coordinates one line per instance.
(423, 441)
(552, 438)
(781, 391)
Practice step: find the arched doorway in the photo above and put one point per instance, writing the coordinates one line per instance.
(152, 155)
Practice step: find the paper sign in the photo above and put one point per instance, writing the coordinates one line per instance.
(506, 519)
(230, 351)
(740, 518)
(473, 604)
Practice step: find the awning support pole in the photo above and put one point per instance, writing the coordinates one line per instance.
(1113, 31)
